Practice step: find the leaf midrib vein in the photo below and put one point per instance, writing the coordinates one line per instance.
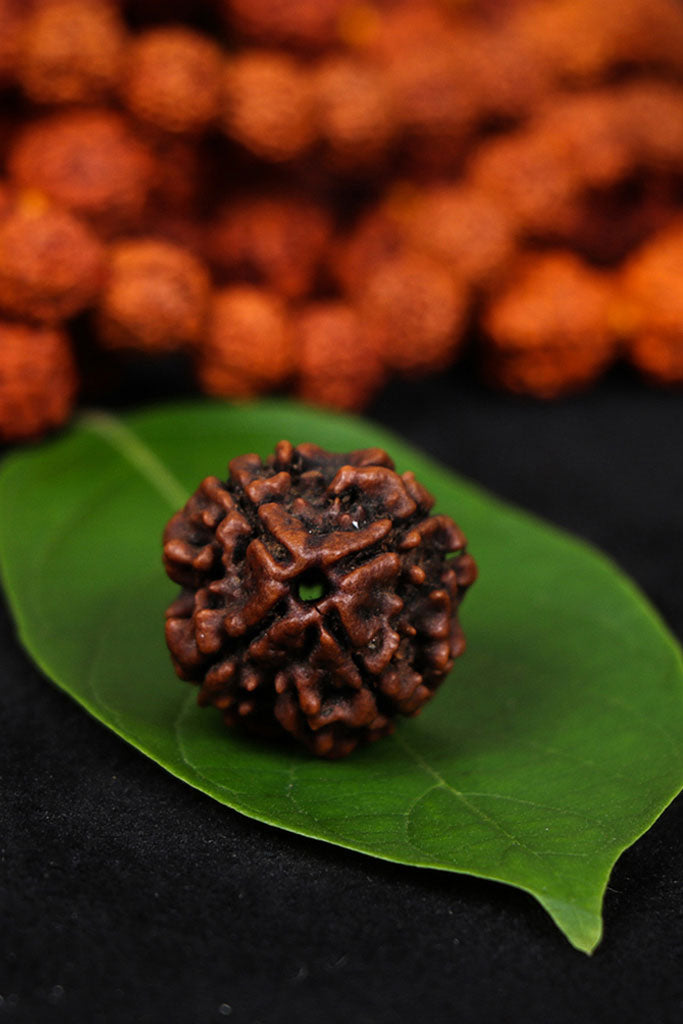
(139, 454)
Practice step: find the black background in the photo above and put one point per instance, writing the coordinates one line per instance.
(129, 897)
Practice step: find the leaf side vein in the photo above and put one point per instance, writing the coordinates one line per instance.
(476, 811)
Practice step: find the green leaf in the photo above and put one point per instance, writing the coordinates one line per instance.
(555, 744)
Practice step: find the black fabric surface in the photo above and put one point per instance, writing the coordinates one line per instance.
(127, 897)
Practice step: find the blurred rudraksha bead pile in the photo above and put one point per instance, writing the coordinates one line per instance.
(312, 196)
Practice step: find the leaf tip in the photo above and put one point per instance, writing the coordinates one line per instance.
(581, 926)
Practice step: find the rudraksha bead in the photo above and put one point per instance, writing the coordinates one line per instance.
(172, 79)
(71, 51)
(319, 598)
(38, 380)
(87, 160)
(51, 263)
(649, 306)
(155, 298)
(548, 332)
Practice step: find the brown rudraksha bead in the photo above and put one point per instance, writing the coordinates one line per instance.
(319, 595)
